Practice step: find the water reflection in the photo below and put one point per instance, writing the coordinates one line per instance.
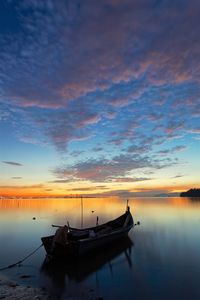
(194, 199)
(163, 264)
(79, 269)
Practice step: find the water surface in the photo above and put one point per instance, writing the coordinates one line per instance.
(160, 260)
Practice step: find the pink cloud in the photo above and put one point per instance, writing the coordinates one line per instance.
(194, 130)
(73, 68)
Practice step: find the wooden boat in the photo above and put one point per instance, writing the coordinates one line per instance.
(69, 241)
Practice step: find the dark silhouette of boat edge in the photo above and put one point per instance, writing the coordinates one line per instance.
(72, 242)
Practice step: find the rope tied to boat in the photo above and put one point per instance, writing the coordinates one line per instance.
(22, 260)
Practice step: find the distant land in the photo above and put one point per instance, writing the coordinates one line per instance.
(191, 193)
(167, 195)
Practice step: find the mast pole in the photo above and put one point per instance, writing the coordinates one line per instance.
(127, 204)
(81, 211)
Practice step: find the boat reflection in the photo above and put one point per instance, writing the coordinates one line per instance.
(80, 268)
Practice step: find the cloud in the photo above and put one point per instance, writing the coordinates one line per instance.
(18, 187)
(173, 127)
(67, 73)
(76, 153)
(178, 176)
(12, 163)
(194, 130)
(129, 179)
(63, 126)
(98, 149)
(139, 148)
(172, 150)
(155, 117)
(62, 180)
(16, 177)
(179, 148)
(85, 189)
(108, 170)
(4, 115)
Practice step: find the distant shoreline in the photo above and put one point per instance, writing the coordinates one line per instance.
(89, 197)
(191, 193)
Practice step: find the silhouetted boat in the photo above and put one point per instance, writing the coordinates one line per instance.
(69, 241)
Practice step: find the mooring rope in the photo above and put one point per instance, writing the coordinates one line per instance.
(22, 260)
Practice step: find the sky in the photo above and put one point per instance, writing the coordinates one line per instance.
(99, 97)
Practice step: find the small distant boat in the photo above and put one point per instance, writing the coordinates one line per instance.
(69, 241)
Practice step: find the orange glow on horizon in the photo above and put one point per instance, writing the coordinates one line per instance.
(90, 189)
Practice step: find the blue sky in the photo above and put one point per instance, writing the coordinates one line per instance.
(99, 96)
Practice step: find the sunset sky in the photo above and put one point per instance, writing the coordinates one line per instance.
(99, 97)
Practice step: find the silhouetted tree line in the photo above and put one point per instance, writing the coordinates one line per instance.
(191, 193)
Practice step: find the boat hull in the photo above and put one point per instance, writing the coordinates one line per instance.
(120, 228)
(98, 242)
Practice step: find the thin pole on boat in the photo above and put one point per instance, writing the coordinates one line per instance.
(127, 204)
(81, 211)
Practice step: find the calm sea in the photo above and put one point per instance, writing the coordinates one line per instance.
(159, 260)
